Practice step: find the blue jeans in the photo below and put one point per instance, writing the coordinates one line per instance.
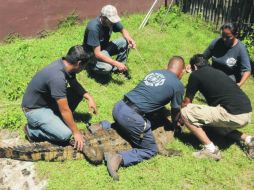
(118, 47)
(131, 124)
(46, 124)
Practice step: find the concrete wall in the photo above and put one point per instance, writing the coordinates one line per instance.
(29, 17)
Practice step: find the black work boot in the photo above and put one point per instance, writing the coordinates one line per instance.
(114, 162)
(27, 134)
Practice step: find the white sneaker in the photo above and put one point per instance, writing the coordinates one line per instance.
(204, 153)
(250, 148)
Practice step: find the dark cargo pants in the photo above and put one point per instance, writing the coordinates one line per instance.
(131, 125)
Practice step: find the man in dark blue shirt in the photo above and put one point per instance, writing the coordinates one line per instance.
(48, 103)
(229, 55)
(157, 89)
(97, 39)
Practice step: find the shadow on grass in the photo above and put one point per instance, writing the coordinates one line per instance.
(103, 79)
(82, 117)
(222, 142)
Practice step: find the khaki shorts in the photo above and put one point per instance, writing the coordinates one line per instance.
(216, 117)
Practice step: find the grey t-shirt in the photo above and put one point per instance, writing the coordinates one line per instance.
(232, 61)
(98, 35)
(49, 84)
(157, 89)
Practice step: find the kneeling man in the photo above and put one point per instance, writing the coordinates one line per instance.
(51, 97)
(157, 89)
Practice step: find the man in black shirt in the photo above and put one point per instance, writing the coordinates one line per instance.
(97, 39)
(228, 107)
(47, 99)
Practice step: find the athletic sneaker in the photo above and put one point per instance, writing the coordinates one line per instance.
(250, 148)
(204, 153)
(27, 135)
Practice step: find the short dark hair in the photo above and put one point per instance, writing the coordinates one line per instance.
(176, 58)
(198, 60)
(229, 26)
(76, 54)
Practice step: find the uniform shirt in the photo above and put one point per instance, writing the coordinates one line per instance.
(232, 61)
(157, 89)
(98, 35)
(50, 84)
(218, 89)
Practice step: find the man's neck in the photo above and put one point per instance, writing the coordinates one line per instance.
(67, 66)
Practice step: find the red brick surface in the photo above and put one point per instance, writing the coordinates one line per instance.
(28, 17)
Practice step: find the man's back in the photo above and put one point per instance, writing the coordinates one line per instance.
(218, 89)
(47, 84)
(156, 90)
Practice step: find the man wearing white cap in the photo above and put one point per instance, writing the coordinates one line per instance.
(96, 39)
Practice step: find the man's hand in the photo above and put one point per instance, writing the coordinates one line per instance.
(121, 67)
(132, 43)
(91, 103)
(79, 141)
(92, 106)
(129, 39)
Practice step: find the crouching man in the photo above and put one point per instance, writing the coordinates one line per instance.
(51, 97)
(228, 107)
(157, 89)
(97, 39)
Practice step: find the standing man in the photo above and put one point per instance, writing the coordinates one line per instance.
(97, 39)
(157, 89)
(48, 103)
(228, 107)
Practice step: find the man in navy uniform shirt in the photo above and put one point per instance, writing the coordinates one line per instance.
(48, 102)
(97, 39)
(157, 89)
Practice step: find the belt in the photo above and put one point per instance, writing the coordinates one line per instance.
(137, 110)
(133, 106)
(26, 109)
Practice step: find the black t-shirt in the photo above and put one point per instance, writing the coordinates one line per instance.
(98, 35)
(49, 84)
(157, 89)
(232, 61)
(218, 89)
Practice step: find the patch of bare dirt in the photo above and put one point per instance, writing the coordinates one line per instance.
(14, 174)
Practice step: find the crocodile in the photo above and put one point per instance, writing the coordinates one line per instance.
(96, 143)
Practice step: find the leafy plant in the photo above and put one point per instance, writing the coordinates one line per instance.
(12, 118)
(71, 20)
(12, 37)
(249, 41)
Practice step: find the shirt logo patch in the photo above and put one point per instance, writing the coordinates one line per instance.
(154, 79)
(67, 84)
(231, 62)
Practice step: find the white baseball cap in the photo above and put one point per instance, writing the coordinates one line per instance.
(110, 12)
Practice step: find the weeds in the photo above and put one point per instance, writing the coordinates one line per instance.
(71, 20)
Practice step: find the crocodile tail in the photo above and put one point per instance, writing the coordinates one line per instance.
(40, 151)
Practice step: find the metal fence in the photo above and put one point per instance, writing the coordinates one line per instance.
(239, 12)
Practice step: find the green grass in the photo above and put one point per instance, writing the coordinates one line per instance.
(181, 35)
